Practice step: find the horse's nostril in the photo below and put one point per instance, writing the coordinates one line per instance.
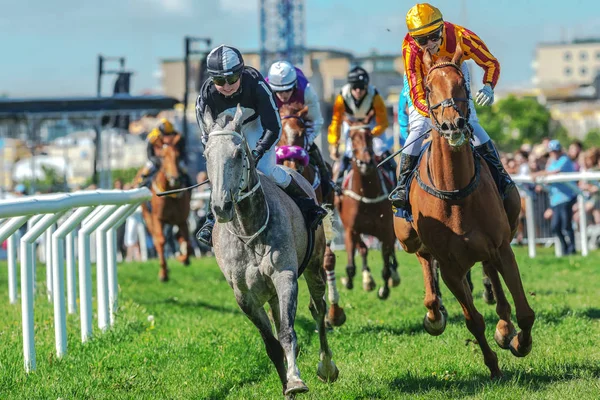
(445, 126)
(460, 122)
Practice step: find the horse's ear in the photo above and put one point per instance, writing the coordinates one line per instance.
(237, 118)
(207, 120)
(458, 55)
(427, 61)
(303, 112)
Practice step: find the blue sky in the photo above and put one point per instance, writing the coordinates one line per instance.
(50, 48)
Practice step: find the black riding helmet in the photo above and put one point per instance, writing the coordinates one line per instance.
(358, 76)
(224, 61)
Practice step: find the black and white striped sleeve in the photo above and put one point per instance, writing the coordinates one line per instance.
(269, 115)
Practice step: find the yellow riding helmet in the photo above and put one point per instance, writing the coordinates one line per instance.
(166, 127)
(153, 135)
(423, 19)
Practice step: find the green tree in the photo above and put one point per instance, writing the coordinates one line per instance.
(513, 121)
(592, 139)
(53, 181)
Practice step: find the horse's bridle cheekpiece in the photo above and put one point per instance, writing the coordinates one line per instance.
(452, 102)
(245, 179)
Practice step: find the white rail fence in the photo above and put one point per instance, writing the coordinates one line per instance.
(100, 211)
(532, 220)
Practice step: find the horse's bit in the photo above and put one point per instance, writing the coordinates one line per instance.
(239, 196)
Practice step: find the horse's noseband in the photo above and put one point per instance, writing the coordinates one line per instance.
(460, 124)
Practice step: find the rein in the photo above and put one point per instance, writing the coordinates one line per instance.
(453, 103)
(245, 179)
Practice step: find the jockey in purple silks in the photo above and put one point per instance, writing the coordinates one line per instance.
(291, 86)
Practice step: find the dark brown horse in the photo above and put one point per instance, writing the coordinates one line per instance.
(459, 219)
(292, 153)
(172, 209)
(365, 209)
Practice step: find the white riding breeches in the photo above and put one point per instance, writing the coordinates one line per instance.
(268, 163)
(418, 124)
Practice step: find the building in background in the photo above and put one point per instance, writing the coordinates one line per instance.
(563, 65)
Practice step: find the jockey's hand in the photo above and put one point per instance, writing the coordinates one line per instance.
(485, 96)
(334, 153)
(257, 154)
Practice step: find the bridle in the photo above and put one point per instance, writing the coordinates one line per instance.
(240, 195)
(302, 122)
(462, 124)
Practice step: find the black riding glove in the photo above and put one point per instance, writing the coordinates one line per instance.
(257, 154)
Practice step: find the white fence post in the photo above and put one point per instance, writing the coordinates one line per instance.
(107, 264)
(71, 276)
(582, 225)
(41, 213)
(60, 320)
(6, 231)
(27, 285)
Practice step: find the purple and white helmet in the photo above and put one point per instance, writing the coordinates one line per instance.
(282, 76)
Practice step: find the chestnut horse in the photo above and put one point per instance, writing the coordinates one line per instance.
(365, 209)
(292, 152)
(459, 218)
(171, 209)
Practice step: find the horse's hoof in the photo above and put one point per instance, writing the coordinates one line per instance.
(336, 315)
(347, 283)
(163, 276)
(368, 282)
(295, 386)
(435, 328)
(496, 375)
(488, 296)
(517, 349)
(383, 293)
(327, 372)
(504, 341)
(395, 280)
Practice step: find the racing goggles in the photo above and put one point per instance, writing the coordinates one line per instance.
(222, 80)
(359, 85)
(434, 37)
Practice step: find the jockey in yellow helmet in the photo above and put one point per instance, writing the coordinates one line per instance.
(165, 132)
(427, 31)
(357, 99)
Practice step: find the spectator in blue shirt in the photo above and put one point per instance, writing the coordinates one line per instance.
(562, 196)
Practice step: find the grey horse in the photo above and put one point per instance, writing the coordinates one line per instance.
(260, 240)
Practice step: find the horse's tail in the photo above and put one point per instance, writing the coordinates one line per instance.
(328, 228)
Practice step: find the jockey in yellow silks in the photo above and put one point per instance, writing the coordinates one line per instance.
(427, 30)
(357, 100)
(166, 133)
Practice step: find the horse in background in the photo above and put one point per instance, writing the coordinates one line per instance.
(364, 208)
(459, 218)
(293, 153)
(260, 242)
(172, 209)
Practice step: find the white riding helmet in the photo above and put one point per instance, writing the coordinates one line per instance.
(282, 76)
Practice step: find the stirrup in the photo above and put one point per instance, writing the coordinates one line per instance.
(204, 235)
(396, 198)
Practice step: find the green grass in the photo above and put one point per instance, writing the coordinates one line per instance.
(200, 346)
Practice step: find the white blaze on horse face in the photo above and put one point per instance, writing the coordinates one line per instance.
(290, 134)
